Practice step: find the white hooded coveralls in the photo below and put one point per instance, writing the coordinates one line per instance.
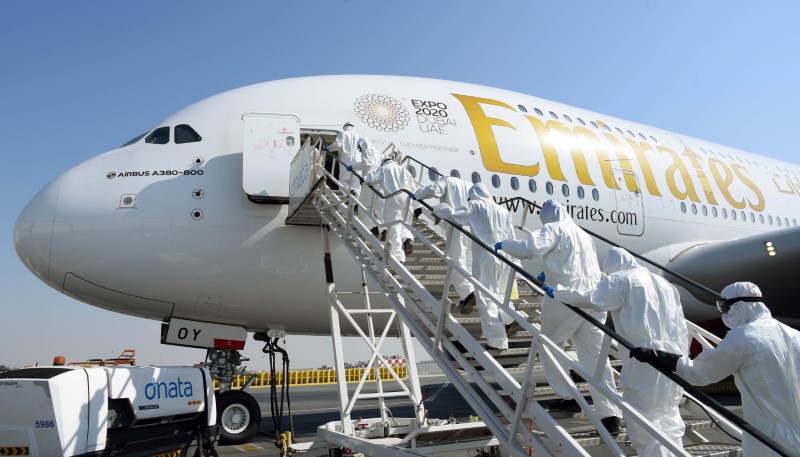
(764, 357)
(490, 223)
(347, 145)
(391, 177)
(370, 161)
(455, 193)
(647, 312)
(570, 260)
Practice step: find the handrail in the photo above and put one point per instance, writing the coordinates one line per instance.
(727, 414)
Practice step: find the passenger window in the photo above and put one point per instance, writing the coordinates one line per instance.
(496, 181)
(532, 185)
(455, 173)
(733, 215)
(694, 208)
(654, 140)
(618, 130)
(565, 190)
(580, 121)
(476, 178)
(581, 193)
(761, 218)
(786, 219)
(724, 213)
(770, 219)
(549, 188)
(514, 183)
(744, 217)
(522, 108)
(752, 217)
(779, 221)
(683, 207)
(186, 134)
(553, 115)
(705, 210)
(714, 211)
(594, 125)
(642, 137)
(538, 111)
(595, 195)
(567, 118)
(158, 136)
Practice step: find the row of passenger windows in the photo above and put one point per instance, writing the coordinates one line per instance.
(581, 193)
(596, 125)
(514, 182)
(737, 215)
(184, 133)
(710, 152)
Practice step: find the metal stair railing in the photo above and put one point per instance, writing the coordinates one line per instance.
(518, 393)
(362, 244)
(705, 338)
(480, 354)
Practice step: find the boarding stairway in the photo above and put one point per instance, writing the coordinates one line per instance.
(505, 388)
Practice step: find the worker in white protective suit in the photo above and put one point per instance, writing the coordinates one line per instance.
(570, 260)
(346, 144)
(763, 356)
(455, 193)
(391, 177)
(490, 223)
(647, 312)
(369, 160)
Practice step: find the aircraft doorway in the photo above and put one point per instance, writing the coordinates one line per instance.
(271, 141)
(629, 216)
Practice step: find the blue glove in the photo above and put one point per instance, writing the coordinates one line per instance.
(549, 291)
(349, 168)
(412, 196)
(498, 246)
(541, 277)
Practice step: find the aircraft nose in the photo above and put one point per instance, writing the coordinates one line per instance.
(33, 231)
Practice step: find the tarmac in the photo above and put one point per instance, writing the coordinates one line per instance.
(313, 406)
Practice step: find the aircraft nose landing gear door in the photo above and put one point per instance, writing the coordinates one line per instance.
(629, 216)
(271, 141)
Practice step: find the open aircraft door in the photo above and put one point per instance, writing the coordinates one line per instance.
(271, 141)
(629, 216)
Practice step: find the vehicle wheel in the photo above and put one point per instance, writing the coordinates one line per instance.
(238, 416)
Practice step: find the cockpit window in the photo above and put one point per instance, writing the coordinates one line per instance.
(186, 134)
(158, 136)
(134, 140)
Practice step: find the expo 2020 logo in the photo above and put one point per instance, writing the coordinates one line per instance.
(382, 112)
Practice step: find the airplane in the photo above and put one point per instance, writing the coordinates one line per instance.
(186, 222)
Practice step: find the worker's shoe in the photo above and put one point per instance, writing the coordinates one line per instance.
(567, 405)
(417, 213)
(383, 235)
(466, 305)
(512, 328)
(375, 231)
(611, 423)
(408, 247)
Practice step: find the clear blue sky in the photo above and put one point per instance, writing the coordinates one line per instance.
(80, 78)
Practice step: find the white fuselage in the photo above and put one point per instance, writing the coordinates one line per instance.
(166, 230)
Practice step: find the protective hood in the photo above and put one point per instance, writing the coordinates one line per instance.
(553, 212)
(479, 192)
(618, 259)
(742, 312)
